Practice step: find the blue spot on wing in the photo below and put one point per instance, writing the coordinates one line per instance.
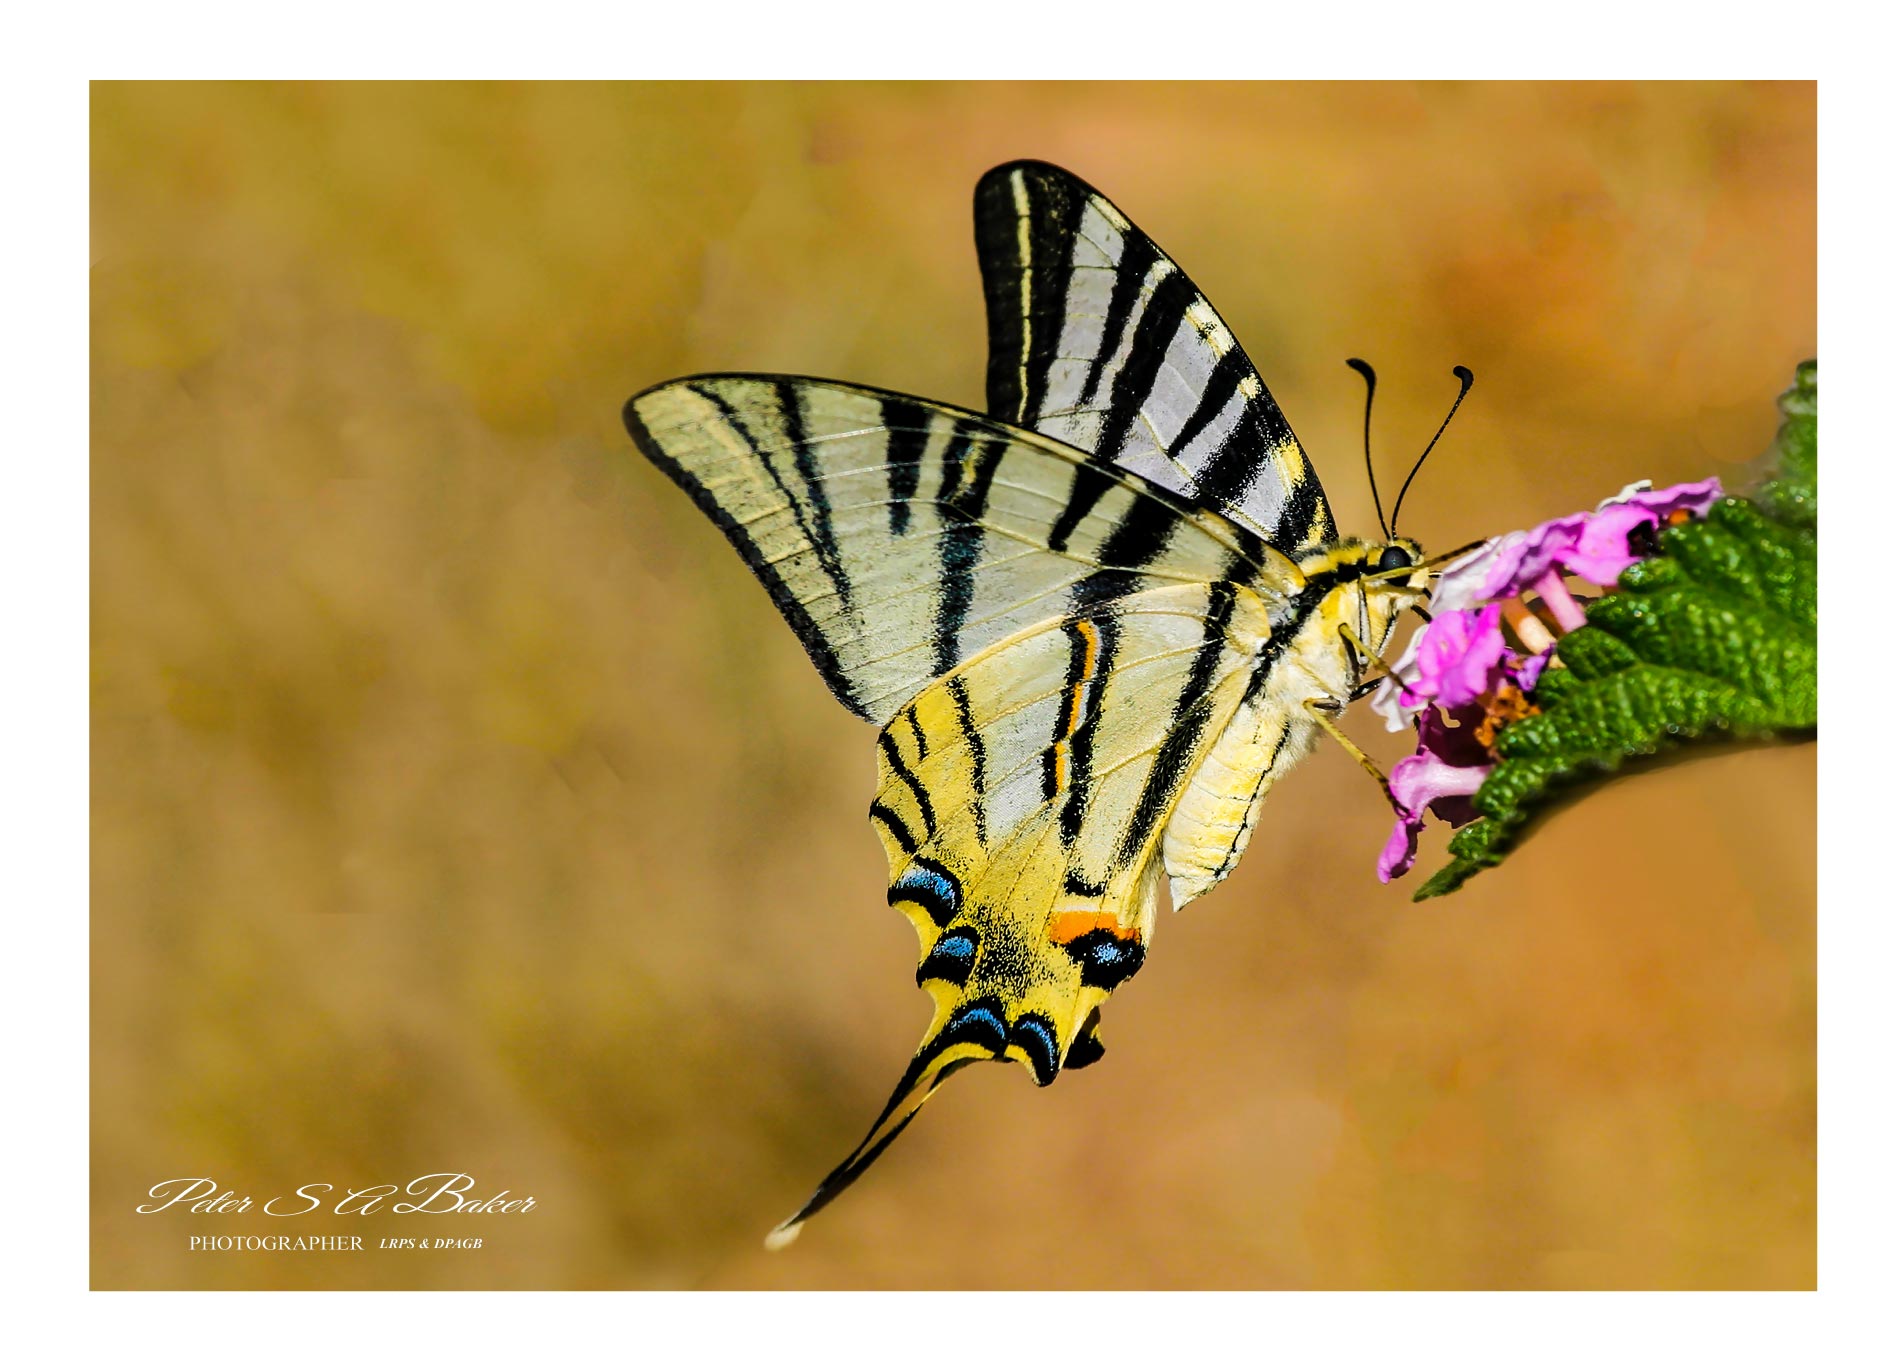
(980, 1023)
(1034, 1034)
(1104, 959)
(980, 1018)
(951, 958)
(931, 887)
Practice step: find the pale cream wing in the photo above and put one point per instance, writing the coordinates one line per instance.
(1099, 339)
(900, 536)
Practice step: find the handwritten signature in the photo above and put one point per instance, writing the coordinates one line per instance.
(440, 1192)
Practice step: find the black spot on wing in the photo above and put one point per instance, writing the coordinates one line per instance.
(1305, 519)
(1229, 473)
(1163, 316)
(932, 887)
(1233, 468)
(896, 764)
(1139, 254)
(1084, 1048)
(965, 487)
(1105, 960)
(821, 534)
(1223, 382)
(975, 743)
(1081, 753)
(951, 958)
(1135, 542)
(1036, 1037)
(978, 1022)
(889, 818)
(1026, 292)
(1086, 490)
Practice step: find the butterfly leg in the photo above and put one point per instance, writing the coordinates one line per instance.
(1319, 711)
(1372, 656)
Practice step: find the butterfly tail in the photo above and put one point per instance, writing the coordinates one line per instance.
(954, 1041)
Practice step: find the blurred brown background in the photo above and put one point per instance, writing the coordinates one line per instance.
(461, 804)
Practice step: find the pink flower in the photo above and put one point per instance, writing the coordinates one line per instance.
(1454, 660)
(1621, 530)
(1460, 665)
(1442, 776)
(1508, 564)
(1595, 545)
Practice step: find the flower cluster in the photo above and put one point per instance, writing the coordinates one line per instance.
(1464, 678)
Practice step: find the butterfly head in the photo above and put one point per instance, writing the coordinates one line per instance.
(1400, 564)
(1394, 568)
(1361, 587)
(1397, 578)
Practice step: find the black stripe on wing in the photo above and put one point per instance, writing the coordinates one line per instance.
(1185, 732)
(1098, 339)
(826, 662)
(1026, 229)
(898, 536)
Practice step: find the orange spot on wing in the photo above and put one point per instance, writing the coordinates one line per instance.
(1074, 924)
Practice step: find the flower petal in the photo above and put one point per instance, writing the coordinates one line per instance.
(1458, 654)
(1526, 673)
(1386, 698)
(1509, 564)
(1603, 549)
(1424, 777)
(1401, 848)
(1419, 781)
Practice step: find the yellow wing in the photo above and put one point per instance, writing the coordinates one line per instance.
(1023, 799)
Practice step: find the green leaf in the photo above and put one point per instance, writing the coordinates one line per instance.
(1715, 635)
(1793, 496)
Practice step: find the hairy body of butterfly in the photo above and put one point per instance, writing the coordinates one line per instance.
(1093, 627)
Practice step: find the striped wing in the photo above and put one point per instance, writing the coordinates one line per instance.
(1023, 799)
(899, 537)
(1099, 340)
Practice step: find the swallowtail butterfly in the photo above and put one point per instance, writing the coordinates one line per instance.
(1092, 626)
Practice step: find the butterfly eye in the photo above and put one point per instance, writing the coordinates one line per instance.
(1393, 558)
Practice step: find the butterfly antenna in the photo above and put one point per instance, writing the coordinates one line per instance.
(1372, 384)
(1464, 383)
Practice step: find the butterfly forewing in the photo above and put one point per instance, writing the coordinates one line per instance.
(900, 536)
(1099, 340)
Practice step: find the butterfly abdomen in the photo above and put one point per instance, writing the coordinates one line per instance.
(1209, 831)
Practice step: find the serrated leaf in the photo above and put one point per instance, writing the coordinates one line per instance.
(1713, 635)
(1792, 497)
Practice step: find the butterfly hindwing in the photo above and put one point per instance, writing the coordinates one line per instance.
(1099, 340)
(1022, 803)
(900, 536)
